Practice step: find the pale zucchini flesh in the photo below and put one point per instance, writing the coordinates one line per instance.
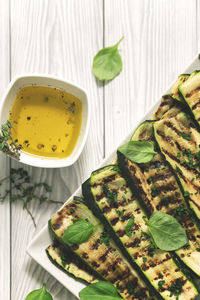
(155, 265)
(159, 191)
(105, 259)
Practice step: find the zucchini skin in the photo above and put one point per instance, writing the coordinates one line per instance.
(135, 261)
(105, 261)
(81, 274)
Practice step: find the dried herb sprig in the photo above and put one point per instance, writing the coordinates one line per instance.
(7, 144)
(26, 191)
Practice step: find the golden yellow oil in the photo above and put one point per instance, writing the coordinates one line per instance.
(46, 121)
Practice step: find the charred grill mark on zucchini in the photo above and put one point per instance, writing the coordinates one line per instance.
(137, 245)
(105, 260)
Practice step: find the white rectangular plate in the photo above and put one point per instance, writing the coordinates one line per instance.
(37, 247)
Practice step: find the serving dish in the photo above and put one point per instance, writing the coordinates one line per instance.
(50, 81)
(37, 248)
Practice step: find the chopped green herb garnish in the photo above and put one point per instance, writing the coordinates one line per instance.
(72, 210)
(198, 155)
(178, 154)
(105, 238)
(190, 158)
(64, 260)
(149, 180)
(151, 249)
(129, 226)
(160, 284)
(186, 194)
(176, 288)
(120, 212)
(125, 200)
(186, 136)
(198, 249)
(180, 211)
(74, 220)
(154, 191)
(112, 196)
(144, 259)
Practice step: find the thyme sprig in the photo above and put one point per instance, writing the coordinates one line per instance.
(7, 144)
(25, 191)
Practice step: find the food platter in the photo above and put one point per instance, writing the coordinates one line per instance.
(37, 247)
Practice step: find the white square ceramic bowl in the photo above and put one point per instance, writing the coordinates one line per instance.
(47, 80)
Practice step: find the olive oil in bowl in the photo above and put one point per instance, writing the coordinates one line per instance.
(46, 121)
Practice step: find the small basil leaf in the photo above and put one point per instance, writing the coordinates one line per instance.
(78, 232)
(40, 294)
(101, 290)
(138, 151)
(107, 63)
(166, 231)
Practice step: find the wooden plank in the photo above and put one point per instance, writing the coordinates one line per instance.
(61, 38)
(160, 40)
(4, 162)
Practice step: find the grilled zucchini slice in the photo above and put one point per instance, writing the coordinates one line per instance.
(174, 90)
(170, 104)
(190, 91)
(167, 108)
(159, 191)
(179, 142)
(167, 102)
(107, 191)
(99, 255)
(66, 261)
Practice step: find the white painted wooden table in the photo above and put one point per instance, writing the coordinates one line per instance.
(61, 37)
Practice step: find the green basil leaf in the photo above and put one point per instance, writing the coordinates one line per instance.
(78, 232)
(138, 151)
(40, 294)
(166, 231)
(107, 63)
(101, 290)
